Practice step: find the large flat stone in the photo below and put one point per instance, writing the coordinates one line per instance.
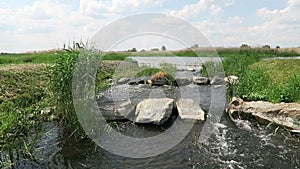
(155, 111)
(284, 114)
(188, 109)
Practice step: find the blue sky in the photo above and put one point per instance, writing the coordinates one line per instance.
(29, 25)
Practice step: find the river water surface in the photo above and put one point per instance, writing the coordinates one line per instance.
(242, 144)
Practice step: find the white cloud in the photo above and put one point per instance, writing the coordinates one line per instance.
(96, 8)
(42, 25)
(49, 23)
(216, 10)
(280, 25)
(276, 27)
(228, 32)
(215, 7)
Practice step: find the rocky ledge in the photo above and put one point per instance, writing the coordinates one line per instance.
(283, 114)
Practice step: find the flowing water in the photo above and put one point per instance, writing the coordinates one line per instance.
(240, 144)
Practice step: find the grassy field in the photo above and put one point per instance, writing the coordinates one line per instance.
(34, 58)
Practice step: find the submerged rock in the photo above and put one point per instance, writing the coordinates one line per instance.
(217, 81)
(160, 81)
(181, 81)
(284, 114)
(188, 109)
(155, 111)
(123, 80)
(201, 80)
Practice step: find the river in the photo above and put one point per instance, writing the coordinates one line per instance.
(233, 145)
(243, 144)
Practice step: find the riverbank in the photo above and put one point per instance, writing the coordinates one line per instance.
(25, 103)
(265, 80)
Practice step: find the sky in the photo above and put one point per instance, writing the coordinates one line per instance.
(34, 25)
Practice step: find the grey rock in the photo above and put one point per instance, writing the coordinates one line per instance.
(217, 81)
(188, 109)
(132, 82)
(123, 80)
(283, 114)
(155, 111)
(201, 80)
(160, 82)
(118, 111)
(181, 81)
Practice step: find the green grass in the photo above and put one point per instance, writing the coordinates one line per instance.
(222, 52)
(61, 74)
(115, 56)
(271, 80)
(105, 72)
(23, 97)
(43, 57)
(280, 70)
(49, 57)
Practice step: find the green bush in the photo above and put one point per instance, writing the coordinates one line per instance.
(73, 76)
(61, 74)
(211, 68)
(115, 56)
(237, 64)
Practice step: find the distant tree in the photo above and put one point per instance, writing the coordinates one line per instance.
(245, 46)
(163, 48)
(266, 47)
(132, 50)
(195, 46)
(143, 50)
(154, 49)
(277, 47)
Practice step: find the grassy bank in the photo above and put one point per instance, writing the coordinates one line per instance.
(24, 105)
(268, 80)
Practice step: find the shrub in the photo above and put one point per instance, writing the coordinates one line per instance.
(61, 74)
(115, 56)
(211, 68)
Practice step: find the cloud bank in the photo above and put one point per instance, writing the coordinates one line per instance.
(48, 24)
